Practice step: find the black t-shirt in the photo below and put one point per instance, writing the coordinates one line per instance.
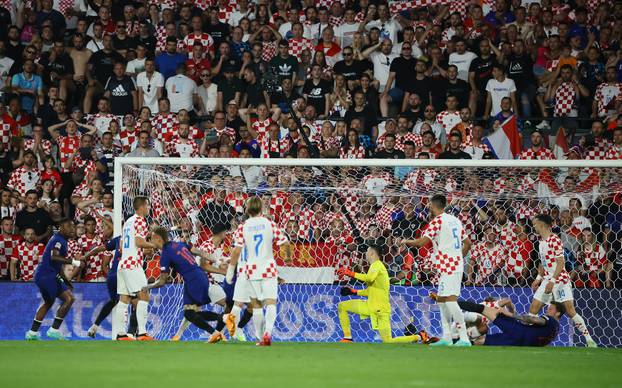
(14, 52)
(316, 94)
(6, 165)
(414, 116)
(278, 98)
(214, 213)
(149, 42)
(254, 94)
(450, 155)
(350, 72)
(229, 89)
(368, 119)
(5, 20)
(407, 228)
(460, 89)
(121, 102)
(219, 32)
(284, 68)
(404, 70)
(123, 44)
(62, 65)
(39, 220)
(483, 71)
(520, 69)
(384, 154)
(103, 63)
(422, 87)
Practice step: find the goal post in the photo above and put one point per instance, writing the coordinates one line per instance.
(332, 208)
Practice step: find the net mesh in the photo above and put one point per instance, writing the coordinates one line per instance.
(331, 214)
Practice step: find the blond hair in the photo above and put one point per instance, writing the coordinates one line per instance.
(253, 206)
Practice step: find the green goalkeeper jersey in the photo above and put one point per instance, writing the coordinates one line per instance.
(377, 291)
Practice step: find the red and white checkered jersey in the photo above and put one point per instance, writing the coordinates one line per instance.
(324, 144)
(514, 262)
(606, 97)
(383, 216)
(23, 179)
(5, 133)
(164, 124)
(7, 245)
(304, 218)
(468, 224)
(278, 200)
(447, 234)
(565, 99)
(237, 201)
(268, 51)
(376, 184)
(28, 255)
(224, 14)
(487, 259)
(224, 131)
(208, 246)
(261, 127)
(297, 46)
(506, 233)
(550, 250)
(420, 180)
(448, 120)
(408, 136)
(46, 145)
(614, 153)
(352, 153)
(131, 255)
(256, 236)
(598, 151)
(67, 145)
(541, 153)
(184, 150)
(204, 38)
(126, 138)
(593, 259)
(94, 265)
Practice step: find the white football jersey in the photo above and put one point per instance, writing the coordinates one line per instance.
(131, 255)
(256, 237)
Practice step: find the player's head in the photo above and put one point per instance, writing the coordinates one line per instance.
(556, 310)
(437, 204)
(374, 253)
(542, 223)
(141, 206)
(67, 228)
(253, 206)
(159, 236)
(219, 231)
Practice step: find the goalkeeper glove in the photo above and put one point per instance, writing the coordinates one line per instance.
(345, 272)
(347, 291)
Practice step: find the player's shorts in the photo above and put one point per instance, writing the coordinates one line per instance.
(228, 289)
(449, 285)
(512, 332)
(111, 285)
(561, 293)
(130, 281)
(216, 293)
(242, 292)
(196, 290)
(50, 285)
(263, 289)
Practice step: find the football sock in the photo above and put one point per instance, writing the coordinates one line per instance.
(457, 316)
(141, 316)
(57, 322)
(235, 311)
(445, 321)
(470, 306)
(182, 328)
(105, 311)
(35, 325)
(133, 326)
(118, 318)
(198, 320)
(258, 321)
(579, 323)
(270, 318)
(246, 318)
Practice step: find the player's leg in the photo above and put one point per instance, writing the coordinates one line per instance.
(217, 296)
(540, 298)
(192, 314)
(120, 311)
(67, 300)
(563, 294)
(269, 295)
(183, 326)
(448, 291)
(139, 280)
(355, 306)
(111, 285)
(384, 329)
(33, 333)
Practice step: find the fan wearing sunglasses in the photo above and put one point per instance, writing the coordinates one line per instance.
(27, 176)
(150, 84)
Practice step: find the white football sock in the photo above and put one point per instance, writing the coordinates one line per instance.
(445, 321)
(236, 311)
(258, 322)
(141, 316)
(119, 316)
(270, 317)
(457, 316)
(184, 325)
(579, 323)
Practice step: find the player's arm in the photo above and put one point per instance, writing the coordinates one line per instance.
(466, 246)
(536, 283)
(141, 242)
(95, 251)
(417, 243)
(208, 267)
(235, 256)
(56, 256)
(368, 277)
(559, 261)
(158, 283)
(530, 319)
(203, 254)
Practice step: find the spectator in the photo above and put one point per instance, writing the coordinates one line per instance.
(28, 86)
(462, 59)
(100, 68)
(9, 241)
(150, 84)
(120, 90)
(168, 62)
(498, 88)
(453, 150)
(34, 217)
(182, 92)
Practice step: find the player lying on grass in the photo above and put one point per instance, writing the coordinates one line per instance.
(52, 283)
(197, 290)
(377, 306)
(518, 330)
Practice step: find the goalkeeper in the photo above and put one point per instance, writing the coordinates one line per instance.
(376, 306)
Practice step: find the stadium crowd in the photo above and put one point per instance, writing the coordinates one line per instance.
(85, 81)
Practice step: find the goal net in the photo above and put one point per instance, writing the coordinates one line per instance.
(332, 210)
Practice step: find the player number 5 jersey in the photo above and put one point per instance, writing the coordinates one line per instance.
(550, 249)
(131, 255)
(447, 234)
(256, 237)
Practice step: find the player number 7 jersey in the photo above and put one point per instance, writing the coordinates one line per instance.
(131, 255)
(256, 237)
(447, 234)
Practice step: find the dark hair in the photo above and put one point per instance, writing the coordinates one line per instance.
(561, 309)
(547, 219)
(139, 201)
(162, 232)
(218, 228)
(376, 248)
(88, 218)
(439, 201)
(32, 192)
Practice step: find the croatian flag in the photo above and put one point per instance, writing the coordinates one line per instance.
(505, 142)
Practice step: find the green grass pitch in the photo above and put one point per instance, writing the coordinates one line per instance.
(195, 364)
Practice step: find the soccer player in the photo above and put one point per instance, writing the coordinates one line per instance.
(376, 306)
(256, 236)
(553, 282)
(197, 290)
(450, 245)
(50, 279)
(517, 330)
(130, 274)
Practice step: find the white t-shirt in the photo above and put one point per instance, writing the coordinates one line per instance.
(382, 64)
(5, 66)
(499, 90)
(256, 236)
(209, 96)
(463, 62)
(135, 66)
(345, 34)
(236, 16)
(180, 90)
(95, 45)
(388, 29)
(150, 98)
